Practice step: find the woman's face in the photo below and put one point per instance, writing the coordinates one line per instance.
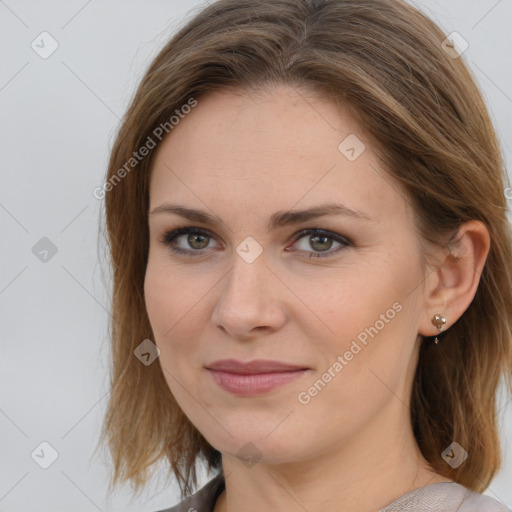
(343, 305)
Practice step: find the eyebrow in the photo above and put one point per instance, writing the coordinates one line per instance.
(277, 219)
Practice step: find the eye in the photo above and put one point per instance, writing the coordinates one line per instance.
(321, 241)
(196, 238)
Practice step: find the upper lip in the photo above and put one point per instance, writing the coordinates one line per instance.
(253, 367)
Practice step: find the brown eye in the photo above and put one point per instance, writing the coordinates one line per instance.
(321, 241)
(193, 244)
(197, 241)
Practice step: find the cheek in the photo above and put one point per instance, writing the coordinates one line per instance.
(366, 316)
(175, 305)
(170, 296)
(167, 303)
(167, 311)
(363, 368)
(341, 305)
(159, 302)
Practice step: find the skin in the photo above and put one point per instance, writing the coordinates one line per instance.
(242, 157)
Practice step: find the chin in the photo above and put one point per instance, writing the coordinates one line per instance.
(256, 445)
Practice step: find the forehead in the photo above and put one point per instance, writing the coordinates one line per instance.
(281, 146)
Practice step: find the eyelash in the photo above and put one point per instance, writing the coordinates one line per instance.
(169, 237)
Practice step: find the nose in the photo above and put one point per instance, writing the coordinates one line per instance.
(250, 301)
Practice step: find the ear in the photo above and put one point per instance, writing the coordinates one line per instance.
(451, 287)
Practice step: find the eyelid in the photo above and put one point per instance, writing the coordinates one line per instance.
(343, 241)
(172, 234)
(326, 232)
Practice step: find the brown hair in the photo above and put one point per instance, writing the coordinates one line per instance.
(430, 126)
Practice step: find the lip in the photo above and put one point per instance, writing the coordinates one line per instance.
(253, 367)
(254, 377)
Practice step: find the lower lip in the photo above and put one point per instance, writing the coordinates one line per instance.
(255, 384)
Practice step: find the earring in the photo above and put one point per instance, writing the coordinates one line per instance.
(438, 321)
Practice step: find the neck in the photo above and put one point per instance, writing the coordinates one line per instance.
(378, 465)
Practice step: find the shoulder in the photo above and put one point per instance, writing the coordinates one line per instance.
(476, 502)
(445, 496)
(203, 500)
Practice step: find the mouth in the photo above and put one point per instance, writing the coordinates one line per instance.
(254, 377)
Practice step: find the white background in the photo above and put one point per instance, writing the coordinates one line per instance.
(58, 119)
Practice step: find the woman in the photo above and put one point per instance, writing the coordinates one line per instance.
(306, 215)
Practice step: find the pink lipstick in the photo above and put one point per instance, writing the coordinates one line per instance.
(254, 377)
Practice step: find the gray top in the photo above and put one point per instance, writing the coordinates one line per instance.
(439, 497)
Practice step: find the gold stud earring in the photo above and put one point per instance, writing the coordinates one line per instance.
(438, 321)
